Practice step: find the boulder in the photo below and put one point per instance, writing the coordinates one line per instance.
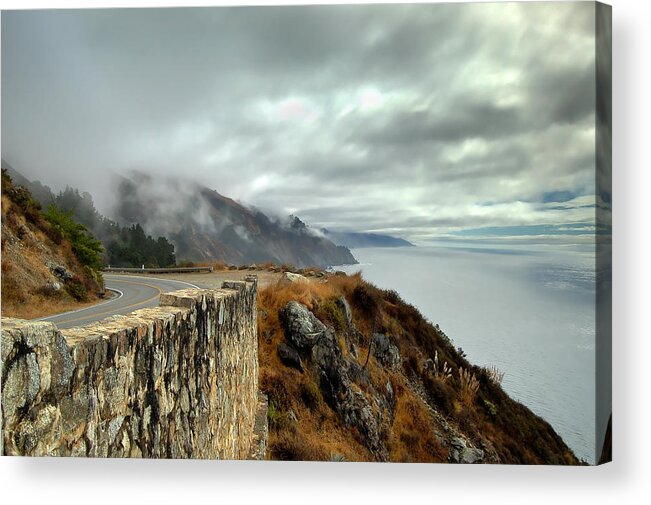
(289, 356)
(462, 452)
(290, 278)
(301, 327)
(385, 351)
(58, 270)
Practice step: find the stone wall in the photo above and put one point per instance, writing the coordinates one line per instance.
(175, 381)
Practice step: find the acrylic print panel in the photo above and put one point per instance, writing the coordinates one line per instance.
(340, 233)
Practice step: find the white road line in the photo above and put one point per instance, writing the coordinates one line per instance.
(117, 277)
(120, 295)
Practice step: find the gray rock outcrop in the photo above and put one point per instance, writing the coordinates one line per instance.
(302, 328)
(385, 351)
(289, 356)
(462, 452)
(340, 377)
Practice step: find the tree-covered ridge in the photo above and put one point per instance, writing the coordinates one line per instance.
(125, 246)
(87, 248)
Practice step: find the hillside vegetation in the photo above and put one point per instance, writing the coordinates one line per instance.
(353, 373)
(50, 263)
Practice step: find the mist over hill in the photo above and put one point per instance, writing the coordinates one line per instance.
(205, 225)
(202, 225)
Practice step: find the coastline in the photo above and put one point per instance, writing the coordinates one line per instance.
(456, 292)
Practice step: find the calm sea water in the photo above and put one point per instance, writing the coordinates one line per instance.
(530, 311)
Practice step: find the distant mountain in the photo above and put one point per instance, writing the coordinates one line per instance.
(202, 224)
(360, 240)
(205, 225)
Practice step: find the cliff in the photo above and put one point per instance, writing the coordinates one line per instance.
(354, 373)
(176, 381)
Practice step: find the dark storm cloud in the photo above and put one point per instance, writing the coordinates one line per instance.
(554, 97)
(402, 118)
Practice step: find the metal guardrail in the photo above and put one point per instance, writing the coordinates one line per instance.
(171, 270)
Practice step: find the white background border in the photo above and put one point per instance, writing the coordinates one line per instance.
(66, 480)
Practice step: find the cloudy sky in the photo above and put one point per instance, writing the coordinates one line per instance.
(421, 121)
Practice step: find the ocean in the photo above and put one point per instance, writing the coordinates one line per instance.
(529, 310)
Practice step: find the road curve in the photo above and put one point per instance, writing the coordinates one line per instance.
(134, 292)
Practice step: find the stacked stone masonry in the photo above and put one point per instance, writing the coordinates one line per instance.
(175, 381)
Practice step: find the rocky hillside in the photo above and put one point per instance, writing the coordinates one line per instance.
(43, 272)
(205, 225)
(354, 373)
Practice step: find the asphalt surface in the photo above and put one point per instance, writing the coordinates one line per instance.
(133, 293)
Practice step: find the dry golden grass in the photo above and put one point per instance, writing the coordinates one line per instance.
(35, 306)
(412, 437)
(303, 426)
(468, 387)
(495, 375)
(316, 433)
(442, 372)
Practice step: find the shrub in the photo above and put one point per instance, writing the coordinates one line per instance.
(490, 407)
(468, 387)
(297, 446)
(310, 395)
(49, 291)
(392, 296)
(276, 417)
(85, 247)
(30, 207)
(441, 372)
(366, 299)
(76, 289)
(330, 313)
(441, 393)
(410, 363)
(494, 375)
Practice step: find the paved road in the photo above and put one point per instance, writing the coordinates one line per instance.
(134, 292)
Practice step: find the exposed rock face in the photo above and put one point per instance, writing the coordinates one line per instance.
(303, 328)
(289, 356)
(176, 381)
(340, 377)
(59, 270)
(386, 352)
(462, 452)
